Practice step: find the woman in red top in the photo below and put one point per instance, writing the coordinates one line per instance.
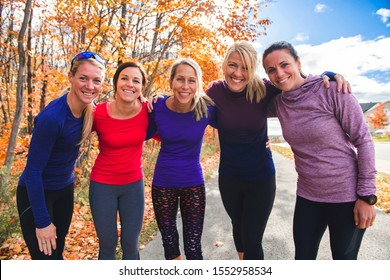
(117, 184)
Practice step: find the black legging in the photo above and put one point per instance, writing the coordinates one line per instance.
(310, 222)
(60, 206)
(248, 205)
(192, 207)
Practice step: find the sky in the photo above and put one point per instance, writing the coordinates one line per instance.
(350, 37)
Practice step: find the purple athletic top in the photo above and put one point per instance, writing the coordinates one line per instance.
(334, 151)
(178, 162)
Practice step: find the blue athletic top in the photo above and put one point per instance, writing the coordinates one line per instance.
(178, 162)
(242, 130)
(51, 159)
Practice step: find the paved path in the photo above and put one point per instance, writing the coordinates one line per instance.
(278, 242)
(382, 156)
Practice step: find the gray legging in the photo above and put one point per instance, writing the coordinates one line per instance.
(106, 201)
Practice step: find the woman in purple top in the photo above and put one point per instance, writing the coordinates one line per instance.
(180, 121)
(45, 189)
(336, 183)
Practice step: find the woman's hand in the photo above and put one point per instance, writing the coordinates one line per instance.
(47, 239)
(341, 83)
(364, 214)
(142, 98)
(153, 99)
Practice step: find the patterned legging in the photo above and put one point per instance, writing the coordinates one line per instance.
(192, 202)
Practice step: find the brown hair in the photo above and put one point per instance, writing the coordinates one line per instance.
(125, 65)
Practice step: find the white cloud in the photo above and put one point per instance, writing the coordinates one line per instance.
(385, 14)
(301, 37)
(354, 58)
(320, 8)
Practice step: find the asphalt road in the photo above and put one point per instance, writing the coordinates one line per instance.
(382, 157)
(278, 243)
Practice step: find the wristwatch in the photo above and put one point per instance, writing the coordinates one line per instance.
(370, 199)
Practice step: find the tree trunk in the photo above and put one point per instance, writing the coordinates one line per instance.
(30, 74)
(19, 99)
(123, 34)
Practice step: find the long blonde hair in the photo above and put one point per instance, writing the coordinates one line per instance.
(88, 111)
(256, 89)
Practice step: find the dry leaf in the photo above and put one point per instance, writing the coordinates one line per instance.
(218, 244)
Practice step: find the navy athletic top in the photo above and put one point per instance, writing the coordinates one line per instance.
(242, 129)
(52, 155)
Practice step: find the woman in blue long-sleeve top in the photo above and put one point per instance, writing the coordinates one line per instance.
(45, 189)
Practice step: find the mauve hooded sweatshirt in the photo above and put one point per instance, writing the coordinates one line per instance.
(333, 149)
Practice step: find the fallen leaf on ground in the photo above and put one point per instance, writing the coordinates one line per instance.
(218, 244)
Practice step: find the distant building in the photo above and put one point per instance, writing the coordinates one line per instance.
(367, 106)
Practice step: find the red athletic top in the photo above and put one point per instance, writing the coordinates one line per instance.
(120, 144)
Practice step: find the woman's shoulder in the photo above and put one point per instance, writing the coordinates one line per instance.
(214, 85)
(55, 111)
(160, 103)
(316, 84)
(101, 107)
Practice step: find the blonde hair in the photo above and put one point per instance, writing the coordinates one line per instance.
(201, 99)
(256, 89)
(88, 111)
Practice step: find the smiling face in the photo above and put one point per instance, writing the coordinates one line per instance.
(184, 84)
(283, 70)
(86, 83)
(235, 73)
(129, 85)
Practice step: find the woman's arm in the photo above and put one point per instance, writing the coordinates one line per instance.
(351, 118)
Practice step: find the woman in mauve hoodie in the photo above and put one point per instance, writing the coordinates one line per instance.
(334, 157)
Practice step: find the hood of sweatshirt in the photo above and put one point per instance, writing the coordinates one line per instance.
(310, 86)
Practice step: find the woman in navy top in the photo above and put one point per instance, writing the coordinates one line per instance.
(246, 170)
(45, 189)
(180, 121)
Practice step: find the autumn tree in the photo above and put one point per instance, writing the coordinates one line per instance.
(153, 32)
(378, 118)
(19, 96)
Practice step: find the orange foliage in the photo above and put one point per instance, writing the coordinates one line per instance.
(378, 118)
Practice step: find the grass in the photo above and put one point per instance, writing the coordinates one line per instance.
(381, 138)
(382, 181)
(148, 233)
(9, 219)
